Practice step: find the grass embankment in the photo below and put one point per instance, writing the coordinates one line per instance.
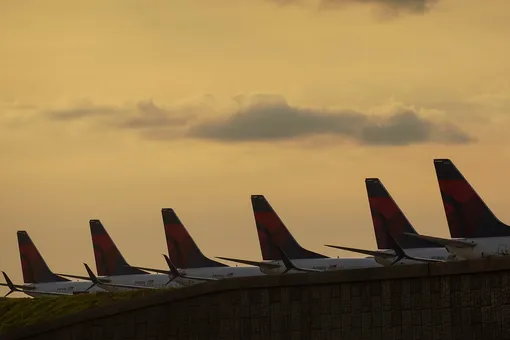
(19, 312)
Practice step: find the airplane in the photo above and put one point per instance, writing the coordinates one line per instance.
(23, 289)
(114, 273)
(174, 273)
(398, 255)
(38, 278)
(193, 266)
(476, 231)
(274, 235)
(390, 223)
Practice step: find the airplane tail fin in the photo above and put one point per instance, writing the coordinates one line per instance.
(35, 269)
(271, 229)
(466, 212)
(182, 249)
(384, 210)
(109, 260)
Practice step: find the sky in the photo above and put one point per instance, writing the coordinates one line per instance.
(115, 109)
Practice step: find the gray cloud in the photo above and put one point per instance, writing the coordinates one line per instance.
(276, 121)
(411, 6)
(406, 127)
(389, 6)
(148, 115)
(144, 115)
(81, 112)
(267, 118)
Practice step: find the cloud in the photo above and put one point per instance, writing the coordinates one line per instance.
(79, 112)
(269, 118)
(148, 115)
(388, 6)
(145, 114)
(406, 127)
(276, 121)
(410, 6)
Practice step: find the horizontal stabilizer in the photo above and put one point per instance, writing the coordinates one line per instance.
(79, 277)
(267, 265)
(159, 271)
(374, 253)
(445, 241)
(24, 287)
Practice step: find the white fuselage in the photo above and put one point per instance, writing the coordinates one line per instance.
(486, 246)
(439, 253)
(70, 287)
(324, 264)
(66, 287)
(216, 273)
(158, 281)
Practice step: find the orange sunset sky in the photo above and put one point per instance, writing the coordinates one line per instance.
(115, 109)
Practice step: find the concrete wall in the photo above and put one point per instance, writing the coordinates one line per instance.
(465, 300)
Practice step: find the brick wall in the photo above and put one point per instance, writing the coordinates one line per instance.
(465, 300)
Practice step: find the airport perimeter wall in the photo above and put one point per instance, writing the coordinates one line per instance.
(464, 300)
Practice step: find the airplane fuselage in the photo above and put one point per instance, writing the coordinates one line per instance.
(484, 247)
(324, 264)
(216, 273)
(158, 281)
(438, 253)
(67, 287)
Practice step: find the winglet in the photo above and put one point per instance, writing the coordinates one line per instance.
(402, 254)
(12, 287)
(173, 269)
(92, 276)
(176, 273)
(290, 265)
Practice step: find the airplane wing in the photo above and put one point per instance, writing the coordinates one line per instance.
(374, 253)
(446, 242)
(266, 265)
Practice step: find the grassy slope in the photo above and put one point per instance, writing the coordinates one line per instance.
(16, 313)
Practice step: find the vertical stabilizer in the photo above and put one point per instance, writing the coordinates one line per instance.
(182, 249)
(109, 260)
(386, 213)
(466, 212)
(270, 228)
(35, 269)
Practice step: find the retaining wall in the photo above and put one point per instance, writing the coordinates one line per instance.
(463, 300)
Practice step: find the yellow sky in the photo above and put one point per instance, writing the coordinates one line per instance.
(116, 109)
